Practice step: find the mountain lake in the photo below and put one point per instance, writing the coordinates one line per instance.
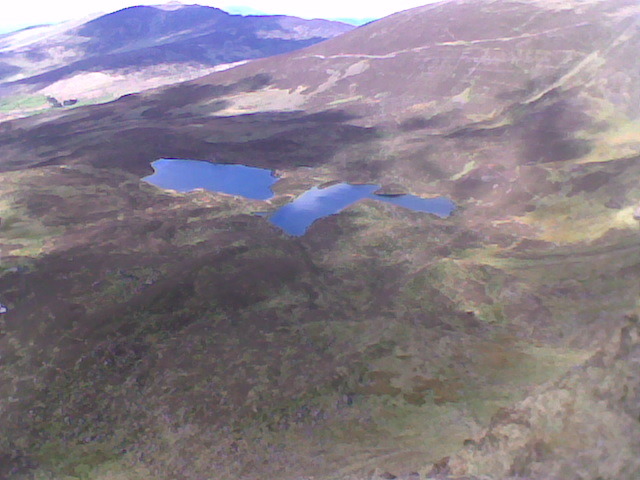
(255, 183)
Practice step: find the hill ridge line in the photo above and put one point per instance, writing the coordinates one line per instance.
(583, 64)
(455, 43)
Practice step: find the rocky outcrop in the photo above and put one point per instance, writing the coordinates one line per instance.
(583, 426)
(391, 190)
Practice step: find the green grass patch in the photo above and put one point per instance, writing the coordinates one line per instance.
(23, 102)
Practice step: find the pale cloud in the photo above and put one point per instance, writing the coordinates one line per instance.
(23, 13)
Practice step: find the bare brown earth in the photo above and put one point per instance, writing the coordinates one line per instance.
(153, 334)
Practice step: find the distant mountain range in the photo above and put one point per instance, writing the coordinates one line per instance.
(350, 20)
(141, 47)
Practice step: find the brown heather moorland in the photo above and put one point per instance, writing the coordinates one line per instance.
(156, 334)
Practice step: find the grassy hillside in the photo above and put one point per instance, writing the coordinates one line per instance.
(153, 334)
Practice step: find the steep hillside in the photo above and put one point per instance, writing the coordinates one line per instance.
(155, 334)
(140, 47)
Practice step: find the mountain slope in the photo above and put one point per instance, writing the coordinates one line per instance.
(186, 337)
(92, 59)
(583, 424)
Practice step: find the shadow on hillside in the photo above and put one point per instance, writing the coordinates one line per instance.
(186, 52)
(268, 140)
(179, 122)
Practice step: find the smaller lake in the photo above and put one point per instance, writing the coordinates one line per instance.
(187, 175)
(255, 183)
(296, 217)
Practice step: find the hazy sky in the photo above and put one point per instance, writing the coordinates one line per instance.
(16, 14)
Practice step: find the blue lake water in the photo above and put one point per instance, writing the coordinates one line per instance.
(294, 218)
(187, 175)
(297, 216)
